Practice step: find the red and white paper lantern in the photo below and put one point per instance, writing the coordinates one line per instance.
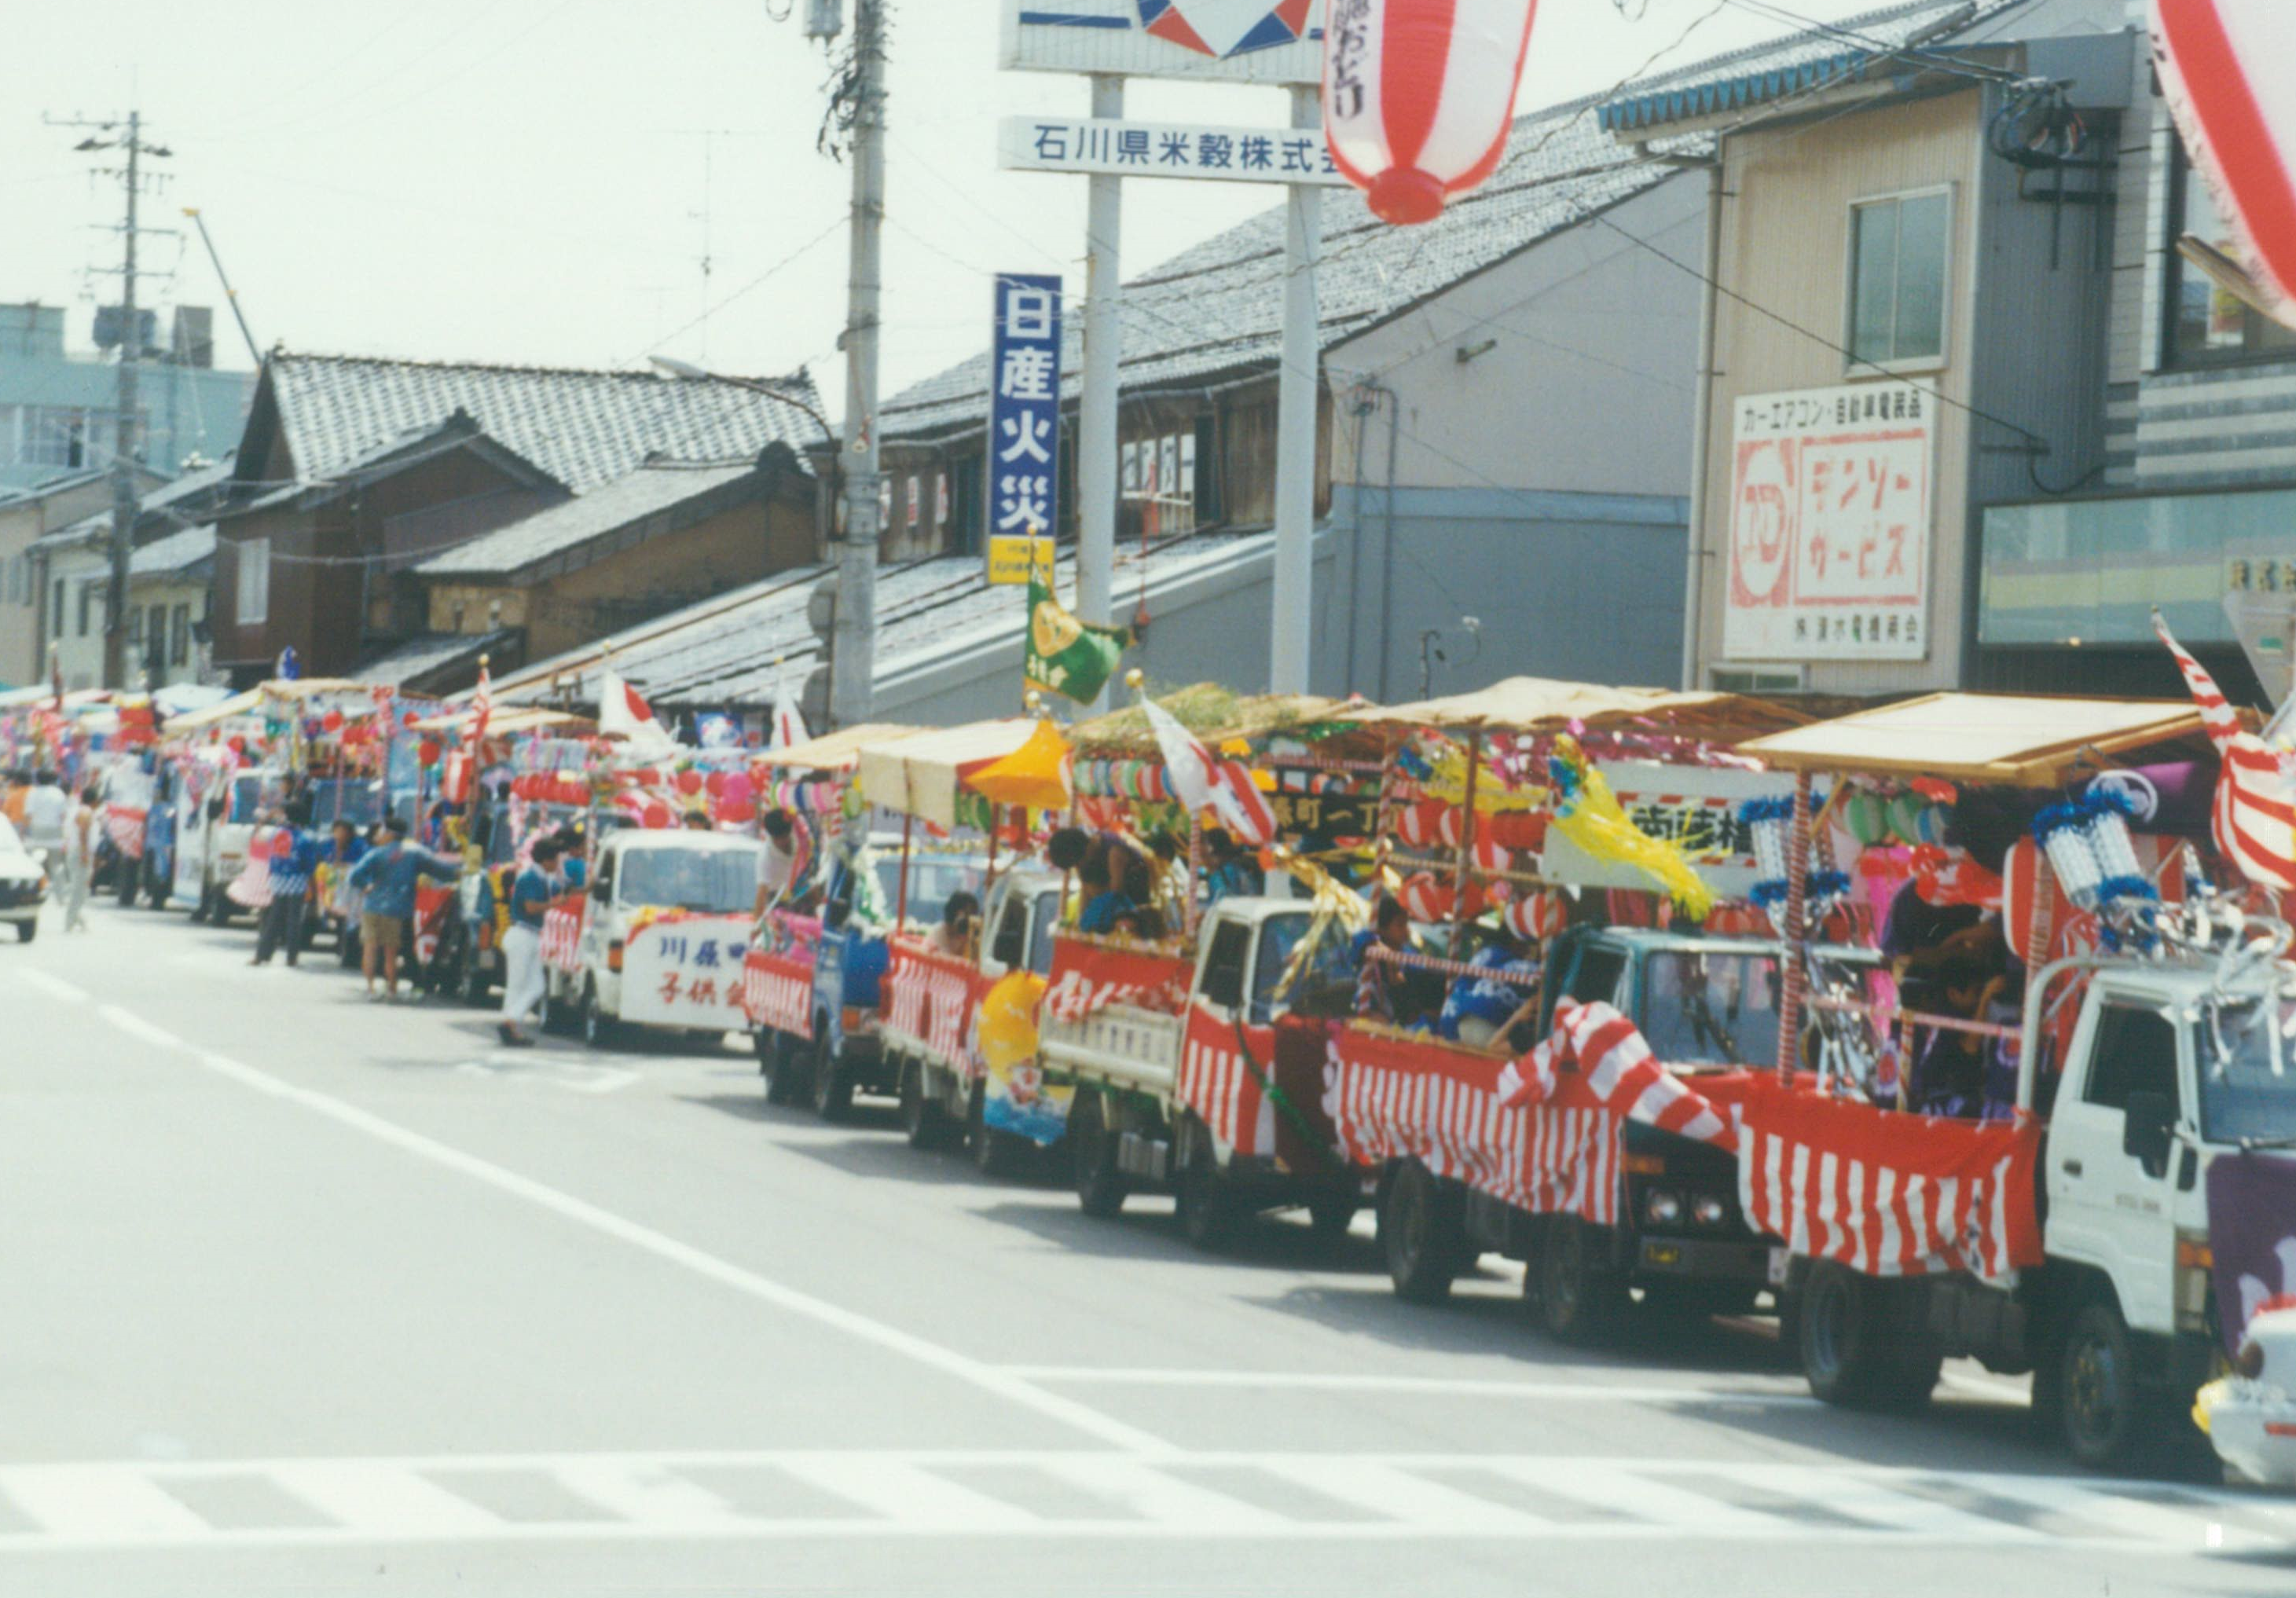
(2224, 67)
(1418, 95)
(1537, 916)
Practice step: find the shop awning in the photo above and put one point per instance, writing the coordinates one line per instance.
(834, 751)
(2004, 739)
(919, 774)
(1212, 713)
(1546, 704)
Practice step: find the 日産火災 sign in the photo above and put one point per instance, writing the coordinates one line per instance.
(1242, 41)
(1829, 517)
(1024, 406)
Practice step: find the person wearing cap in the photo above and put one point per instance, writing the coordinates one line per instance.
(387, 877)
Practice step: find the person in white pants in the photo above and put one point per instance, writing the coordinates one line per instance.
(531, 893)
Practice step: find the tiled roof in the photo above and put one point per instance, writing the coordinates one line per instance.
(420, 656)
(730, 651)
(584, 428)
(654, 488)
(1217, 309)
(176, 552)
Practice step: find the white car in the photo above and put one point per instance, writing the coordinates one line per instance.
(665, 927)
(23, 884)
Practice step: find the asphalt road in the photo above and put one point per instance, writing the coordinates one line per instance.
(302, 1294)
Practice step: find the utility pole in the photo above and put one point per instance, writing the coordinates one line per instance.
(1299, 388)
(1103, 353)
(126, 499)
(853, 663)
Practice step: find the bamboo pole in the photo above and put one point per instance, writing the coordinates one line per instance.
(1467, 829)
(1796, 931)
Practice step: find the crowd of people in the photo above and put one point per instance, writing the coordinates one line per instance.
(64, 823)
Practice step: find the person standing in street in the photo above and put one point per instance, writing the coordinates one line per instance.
(388, 876)
(294, 859)
(13, 792)
(45, 809)
(522, 975)
(80, 826)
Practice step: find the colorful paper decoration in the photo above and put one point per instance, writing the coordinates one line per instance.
(1589, 814)
(1418, 96)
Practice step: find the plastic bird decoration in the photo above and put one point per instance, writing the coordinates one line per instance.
(1588, 815)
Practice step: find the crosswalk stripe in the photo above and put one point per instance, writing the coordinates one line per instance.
(1160, 1494)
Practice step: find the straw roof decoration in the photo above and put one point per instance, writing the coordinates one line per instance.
(1214, 714)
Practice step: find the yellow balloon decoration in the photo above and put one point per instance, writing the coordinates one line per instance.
(1589, 815)
(1008, 1022)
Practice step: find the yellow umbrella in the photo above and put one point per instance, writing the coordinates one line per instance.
(1036, 774)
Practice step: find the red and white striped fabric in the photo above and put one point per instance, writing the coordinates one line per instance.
(1418, 95)
(1088, 976)
(777, 992)
(123, 827)
(562, 933)
(482, 706)
(433, 907)
(1393, 1097)
(933, 1006)
(2224, 69)
(1615, 1063)
(2254, 815)
(1885, 1192)
(1228, 1093)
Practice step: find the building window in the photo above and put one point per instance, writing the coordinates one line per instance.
(155, 638)
(87, 602)
(135, 630)
(1159, 475)
(1898, 256)
(56, 614)
(2209, 324)
(1754, 680)
(179, 638)
(252, 595)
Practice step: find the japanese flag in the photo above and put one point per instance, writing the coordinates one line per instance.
(2224, 70)
(788, 721)
(623, 713)
(1201, 782)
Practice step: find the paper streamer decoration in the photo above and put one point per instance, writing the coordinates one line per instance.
(1418, 95)
(1589, 814)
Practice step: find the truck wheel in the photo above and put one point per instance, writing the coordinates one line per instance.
(922, 1118)
(27, 930)
(1844, 1350)
(1100, 1184)
(599, 1029)
(833, 1089)
(774, 1065)
(1575, 1299)
(2097, 1394)
(1422, 1232)
(1207, 1209)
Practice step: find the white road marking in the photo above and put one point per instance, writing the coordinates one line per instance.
(1545, 1392)
(923, 1351)
(55, 988)
(986, 1492)
(569, 1075)
(2005, 1389)
(137, 1028)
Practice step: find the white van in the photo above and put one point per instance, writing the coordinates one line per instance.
(666, 924)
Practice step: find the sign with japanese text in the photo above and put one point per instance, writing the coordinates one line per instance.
(1239, 41)
(1694, 807)
(1012, 556)
(687, 970)
(1024, 407)
(1829, 517)
(1165, 150)
(1329, 815)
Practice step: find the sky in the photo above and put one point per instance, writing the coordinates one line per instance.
(541, 181)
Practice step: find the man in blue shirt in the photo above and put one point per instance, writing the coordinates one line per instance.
(531, 893)
(1103, 902)
(386, 877)
(294, 857)
(1479, 1008)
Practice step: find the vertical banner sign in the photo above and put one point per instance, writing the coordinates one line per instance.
(1024, 406)
(1830, 510)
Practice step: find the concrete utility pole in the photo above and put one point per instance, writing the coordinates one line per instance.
(1298, 398)
(1103, 351)
(853, 665)
(126, 498)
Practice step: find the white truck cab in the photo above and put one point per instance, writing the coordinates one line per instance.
(664, 934)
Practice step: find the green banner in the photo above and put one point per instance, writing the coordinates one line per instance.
(1065, 656)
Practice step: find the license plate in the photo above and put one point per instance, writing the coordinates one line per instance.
(1780, 1260)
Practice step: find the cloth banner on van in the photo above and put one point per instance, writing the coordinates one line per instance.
(932, 1005)
(1089, 974)
(562, 933)
(1884, 1192)
(777, 991)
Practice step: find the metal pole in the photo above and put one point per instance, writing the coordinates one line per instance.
(1104, 350)
(230, 294)
(901, 901)
(1299, 390)
(125, 500)
(1702, 423)
(1459, 875)
(853, 664)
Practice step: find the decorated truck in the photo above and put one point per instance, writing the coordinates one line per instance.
(932, 1029)
(2105, 1219)
(1184, 1076)
(661, 940)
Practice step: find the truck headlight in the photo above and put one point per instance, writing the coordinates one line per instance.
(1708, 1210)
(1662, 1209)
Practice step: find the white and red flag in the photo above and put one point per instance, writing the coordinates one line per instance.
(623, 713)
(2254, 814)
(482, 706)
(1197, 780)
(2224, 70)
(1418, 95)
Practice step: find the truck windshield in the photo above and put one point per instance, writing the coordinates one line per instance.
(2248, 1071)
(710, 882)
(932, 878)
(1279, 937)
(1040, 933)
(1711, 1009)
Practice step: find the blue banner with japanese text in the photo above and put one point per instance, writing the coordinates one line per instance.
(1024, 406)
